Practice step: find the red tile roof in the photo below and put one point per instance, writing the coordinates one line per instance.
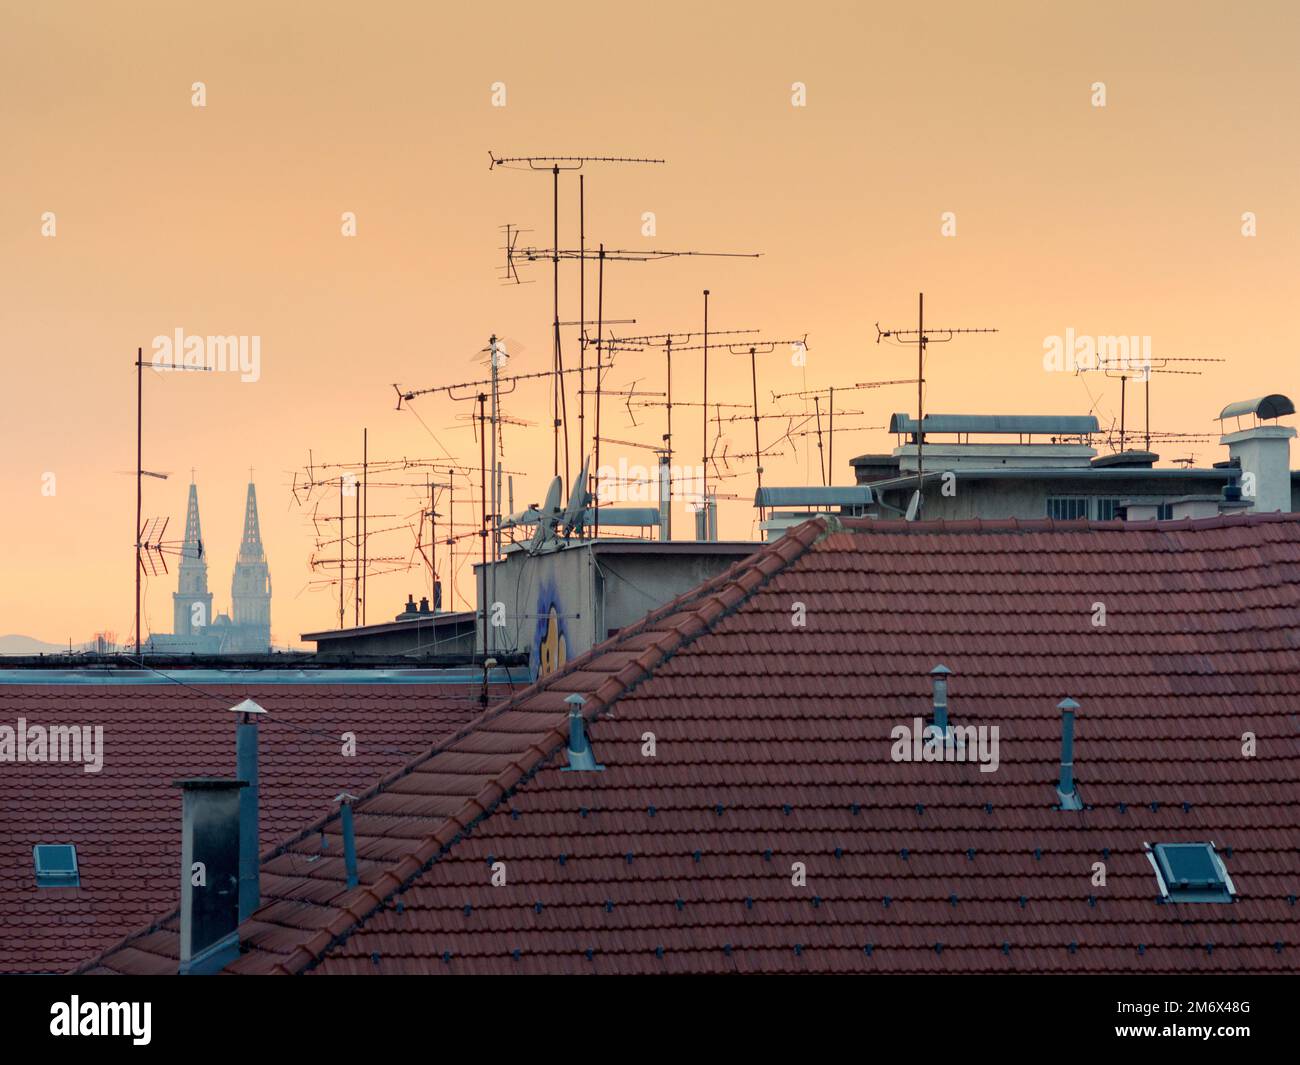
(125, 820)
(773, 747)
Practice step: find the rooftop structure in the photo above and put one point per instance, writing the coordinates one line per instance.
(1052, 469)
(555, 605)
(416, 632)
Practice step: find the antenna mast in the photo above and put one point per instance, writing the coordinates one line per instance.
(1143, 373)
(140, 473)
(921, 339)
(667, 341)
(556, 163)
(753, 348)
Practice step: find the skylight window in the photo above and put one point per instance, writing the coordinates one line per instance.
(56, 865)
(1191, 872)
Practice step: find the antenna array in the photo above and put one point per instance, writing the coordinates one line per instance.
(922, 340)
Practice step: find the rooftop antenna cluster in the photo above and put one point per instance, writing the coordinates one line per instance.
(922, 339)
(424, 480)
(753, 346)
(1143, 373)
(666, 341)
(604, 337)
(826, 458)
(554, 164)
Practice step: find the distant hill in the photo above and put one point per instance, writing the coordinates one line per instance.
(26, 645)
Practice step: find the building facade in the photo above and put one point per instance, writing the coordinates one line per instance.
(1044, 466)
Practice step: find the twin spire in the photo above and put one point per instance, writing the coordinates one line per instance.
(250, 545)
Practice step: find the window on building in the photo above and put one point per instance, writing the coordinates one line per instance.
(1067, 508)
(1165, 512)
(56, 865)
(1107, 509)
(1191, 872)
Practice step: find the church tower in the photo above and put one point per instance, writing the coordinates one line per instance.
(192, 602)
(250, 588)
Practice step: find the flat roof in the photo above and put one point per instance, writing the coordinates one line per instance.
(461, 675)
(1068, 473)
(379, 628)
(814, 495)
(629, 546)
(1021, 424)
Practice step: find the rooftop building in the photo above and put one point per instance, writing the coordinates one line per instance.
(1034, 466)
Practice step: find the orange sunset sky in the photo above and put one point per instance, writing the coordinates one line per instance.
(226, 219)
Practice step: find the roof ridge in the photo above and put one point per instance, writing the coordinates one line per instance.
(992, 525)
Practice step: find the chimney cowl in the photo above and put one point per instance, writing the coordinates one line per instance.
(345, 802)
(940, 675)
(581, 757)
(1067, 793)
(246, 769)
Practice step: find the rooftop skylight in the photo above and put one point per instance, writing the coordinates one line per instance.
(1191, 872)
(56, 865)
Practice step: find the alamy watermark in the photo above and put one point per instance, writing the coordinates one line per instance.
(920, 742)
(55, 743)
(77, 1018)
(236, 354)
(631, 482)
(1073, 353)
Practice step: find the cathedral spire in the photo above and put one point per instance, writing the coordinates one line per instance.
(193, 546)
(250, 587)
(192, 602)
(250, 546)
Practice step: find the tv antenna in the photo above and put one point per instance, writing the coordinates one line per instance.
(1142, 372)
(828, 393)
(414, 476)
(489, 468)
(516, 255)
(154, 549)
(754, 347)
(141, 472)
(602, 255)
(921, 339)
(667, 342)
(556, 163)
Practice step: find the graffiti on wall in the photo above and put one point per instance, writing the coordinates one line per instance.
(550, 636)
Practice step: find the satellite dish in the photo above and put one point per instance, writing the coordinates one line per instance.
(548, 515)
(578, 500)
(914, 507)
